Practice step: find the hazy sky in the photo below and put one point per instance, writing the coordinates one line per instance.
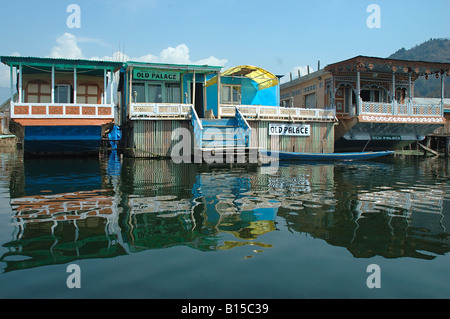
(280, 36)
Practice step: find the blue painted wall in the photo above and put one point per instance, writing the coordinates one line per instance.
(57, 140)
(250, 95)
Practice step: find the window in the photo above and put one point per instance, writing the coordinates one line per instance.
(231, 94)
(88, 93)
(310, 101)
(62, 93)
(173, 93)
(38, 92)
(138, 93)
(156, 92)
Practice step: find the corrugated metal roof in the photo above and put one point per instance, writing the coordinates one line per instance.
(169, 66)
(16, 60)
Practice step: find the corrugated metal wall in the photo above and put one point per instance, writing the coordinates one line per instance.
(153, 138)
(321, 139)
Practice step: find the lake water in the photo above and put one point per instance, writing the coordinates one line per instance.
(154, 229)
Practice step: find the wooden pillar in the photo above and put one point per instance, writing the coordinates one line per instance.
(11, 82)
(104, 87)
(193, 89)
(409, 108)
(111, 89)
(442, 93)
(74, 85)
(20, 84)
(130, 97)
(393, 94)
(53, 84)
(205, 103)
(409, 87)
(358, 90)
(218, 95)
(333, 94)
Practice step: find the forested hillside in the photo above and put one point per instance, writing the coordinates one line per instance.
(433, 50)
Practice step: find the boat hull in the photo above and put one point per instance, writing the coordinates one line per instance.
(62, 140)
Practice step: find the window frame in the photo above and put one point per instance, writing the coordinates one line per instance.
(231, 86)
(69, 93)
(164, 91)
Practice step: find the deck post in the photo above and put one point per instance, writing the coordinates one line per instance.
(193, 89)
(393, 94)
(358, 89)
(218, 95)
(130, 97)
(113, 110)
(104, 87)
(11, 84)
(333, 96)
(20, 84)
(53, 84)
(442, 93)
(409, 94)
(205, 104)
(75, 85)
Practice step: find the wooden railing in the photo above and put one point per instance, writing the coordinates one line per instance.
(61, 110)
(159, 111)
(278, 113)
(408, 109)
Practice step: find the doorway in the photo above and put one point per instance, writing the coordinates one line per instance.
(199, 103)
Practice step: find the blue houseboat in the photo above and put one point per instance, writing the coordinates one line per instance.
(62, 106)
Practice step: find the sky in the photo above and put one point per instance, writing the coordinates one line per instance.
(280, 36)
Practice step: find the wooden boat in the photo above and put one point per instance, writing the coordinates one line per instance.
(294, 156)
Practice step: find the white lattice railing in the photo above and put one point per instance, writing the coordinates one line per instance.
(275, 112)
(159, 110)
(408, 109)
(61, 110)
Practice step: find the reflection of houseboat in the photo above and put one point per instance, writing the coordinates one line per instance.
(62, 105)
(211, 204)
(60, 228)
(62, 210)
(373, 99)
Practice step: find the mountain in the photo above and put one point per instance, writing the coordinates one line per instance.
(433, 50)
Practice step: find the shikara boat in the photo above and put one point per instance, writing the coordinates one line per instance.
(294, 156)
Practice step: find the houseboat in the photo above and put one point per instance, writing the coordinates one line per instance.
(157, 99)
(202, 114)
(62, 106)
(373, 99)
(251, 96)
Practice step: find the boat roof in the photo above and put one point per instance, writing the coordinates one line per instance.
(262, 77)
(60, 62)
(177, 67)
(376, 64)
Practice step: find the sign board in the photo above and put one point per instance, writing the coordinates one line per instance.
(386, 138)
(155, 75)
(289, 129)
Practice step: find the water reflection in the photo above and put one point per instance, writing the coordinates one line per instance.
(381, 209)
(64, 210)
(61, 212)
(175, 204)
